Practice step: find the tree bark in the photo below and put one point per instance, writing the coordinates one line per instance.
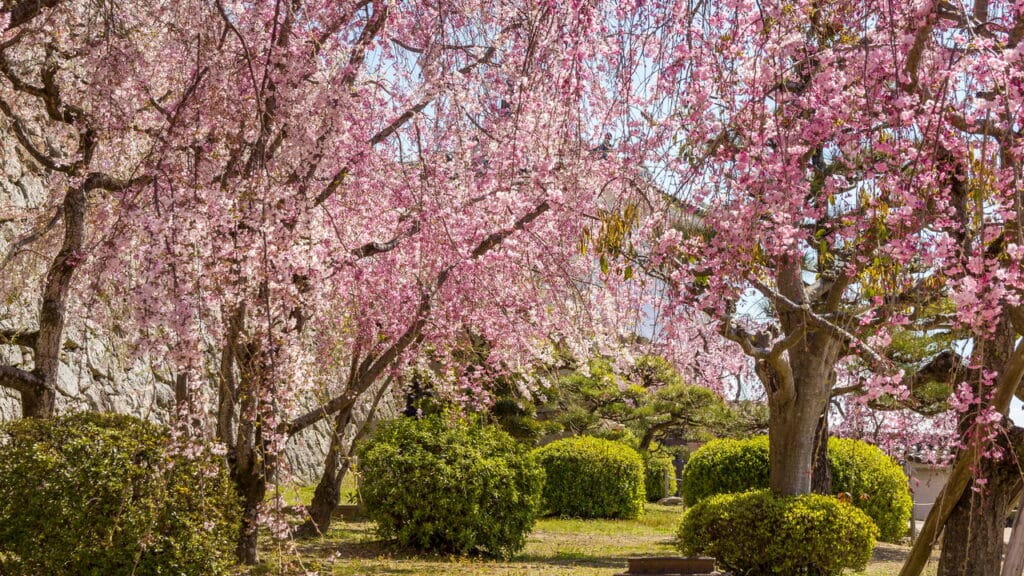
(40, 400)
(792, 443)
(973, 539)
(960, 475)
(797, 425)
(1013, 564)
(251, 485)
(799, 387)
(821, 474)
(327, 495)
(250, 462)
(972, 543)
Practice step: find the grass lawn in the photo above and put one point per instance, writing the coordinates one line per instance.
(556, 547)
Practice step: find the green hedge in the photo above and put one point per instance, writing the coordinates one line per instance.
(757, 534)
(448, 485)
(725, 466)
(874, 481)
(592, 478)
(99, 495)
(658, 468)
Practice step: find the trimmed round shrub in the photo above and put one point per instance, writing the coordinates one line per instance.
(445, 484)
(757, 534)
(96, 494)
(592, 478)
(657, 470)
(725, 466)
(875, 482)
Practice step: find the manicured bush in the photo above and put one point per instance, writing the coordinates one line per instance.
(592, 478)
(757, 534)
(100, 494)
(657, 470)
(725, 466)
(445, 484)
(875, 482)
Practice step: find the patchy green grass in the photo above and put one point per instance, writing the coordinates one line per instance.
(301, 494)
(556, 547)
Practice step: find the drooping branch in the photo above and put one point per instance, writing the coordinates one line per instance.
(372, 367)
(339, 177)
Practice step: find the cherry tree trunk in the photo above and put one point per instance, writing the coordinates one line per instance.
(40, 400)
(251, 485)
(1013, 563)
(327, 495)
(821, 474)
(973, 539)
(38, 403)
(972, 544)
(792, 442)
(328, 491)
(797, 421)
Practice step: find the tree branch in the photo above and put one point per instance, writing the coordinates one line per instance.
(18, 379)
(371, 368)
(339, 177)
(498, 237)
(816, 320)
(374, 248)
(19, 338)
(23, 12)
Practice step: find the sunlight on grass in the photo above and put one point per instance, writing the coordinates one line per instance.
(556, 547)
(301, 495)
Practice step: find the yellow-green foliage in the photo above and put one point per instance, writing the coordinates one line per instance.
(724, 466)
(757, 534)
(99, 495)
(592, 478)
(875, 482)
(446, 484)
(658, 468)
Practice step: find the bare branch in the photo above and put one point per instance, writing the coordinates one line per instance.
(818, 321)
(23, 338)
(18, 379)
(788, 342)
(374, 248)
(23, 12)
(498, 237)
(739, 335)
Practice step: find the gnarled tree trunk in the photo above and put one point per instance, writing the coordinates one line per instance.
(972, 544)
(327, 495)
(973, 539)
